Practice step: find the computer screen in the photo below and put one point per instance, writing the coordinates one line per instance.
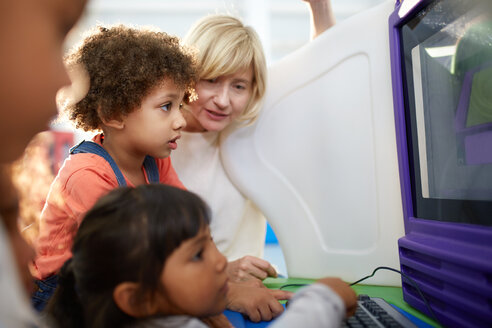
(441, 54)
(447, 51)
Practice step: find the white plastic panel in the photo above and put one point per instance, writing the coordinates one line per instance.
(321, 160)
(313, 139)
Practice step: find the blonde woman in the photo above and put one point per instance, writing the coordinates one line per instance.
(231, 88)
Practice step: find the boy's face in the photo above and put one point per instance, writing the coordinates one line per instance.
(154, 128)
(32, 33)
(220, 101)
(194, 279)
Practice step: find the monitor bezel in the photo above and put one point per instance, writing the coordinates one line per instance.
(467, 232)
(449, 261)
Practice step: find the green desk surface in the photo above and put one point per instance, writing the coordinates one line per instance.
(392, 295)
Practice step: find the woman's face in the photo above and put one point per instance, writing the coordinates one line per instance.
(32, 34)
(220, 101)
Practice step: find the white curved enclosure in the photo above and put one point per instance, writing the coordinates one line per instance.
(321, 160)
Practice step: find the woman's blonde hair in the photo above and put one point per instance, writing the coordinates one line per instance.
(225, 46)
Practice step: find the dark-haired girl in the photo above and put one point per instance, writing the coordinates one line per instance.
(144, 257)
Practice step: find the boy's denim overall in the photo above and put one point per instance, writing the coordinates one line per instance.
(45, 288)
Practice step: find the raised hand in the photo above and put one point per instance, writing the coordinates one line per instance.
(322, 17)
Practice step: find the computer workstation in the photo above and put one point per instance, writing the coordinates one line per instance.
(373, 149)
(441, 72)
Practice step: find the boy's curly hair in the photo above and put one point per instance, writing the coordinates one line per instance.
(124, 64)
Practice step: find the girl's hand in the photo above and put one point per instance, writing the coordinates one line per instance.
(346, 293)
(250, 268)
(258, 303)
(217, 321)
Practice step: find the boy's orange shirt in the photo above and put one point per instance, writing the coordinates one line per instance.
(81, 181)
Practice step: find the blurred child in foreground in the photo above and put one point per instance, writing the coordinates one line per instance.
(31, 38)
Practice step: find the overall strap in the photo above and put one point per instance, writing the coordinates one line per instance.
(150, 165)
(94, 148)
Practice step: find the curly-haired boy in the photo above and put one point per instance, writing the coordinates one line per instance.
(137, 80)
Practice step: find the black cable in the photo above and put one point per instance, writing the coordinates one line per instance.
(413, 283)
(292, 285)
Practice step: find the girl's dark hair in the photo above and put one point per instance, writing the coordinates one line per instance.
(126, 236)
(125, 64)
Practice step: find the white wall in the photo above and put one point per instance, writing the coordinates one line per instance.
(283, 25)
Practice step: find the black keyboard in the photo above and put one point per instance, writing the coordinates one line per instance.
(376, 312)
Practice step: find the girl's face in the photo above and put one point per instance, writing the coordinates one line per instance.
(220, 101)
(32, 33)
(194, 279)
(154, 128)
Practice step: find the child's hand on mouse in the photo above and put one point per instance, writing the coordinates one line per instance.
(258, 303)
(250, 268)
(343, 290)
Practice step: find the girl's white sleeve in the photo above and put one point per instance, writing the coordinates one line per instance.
(312, 307)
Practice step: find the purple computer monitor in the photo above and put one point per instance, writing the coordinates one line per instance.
(442, 91)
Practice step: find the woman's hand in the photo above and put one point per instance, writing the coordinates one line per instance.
(250, 269)
(258, 303)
